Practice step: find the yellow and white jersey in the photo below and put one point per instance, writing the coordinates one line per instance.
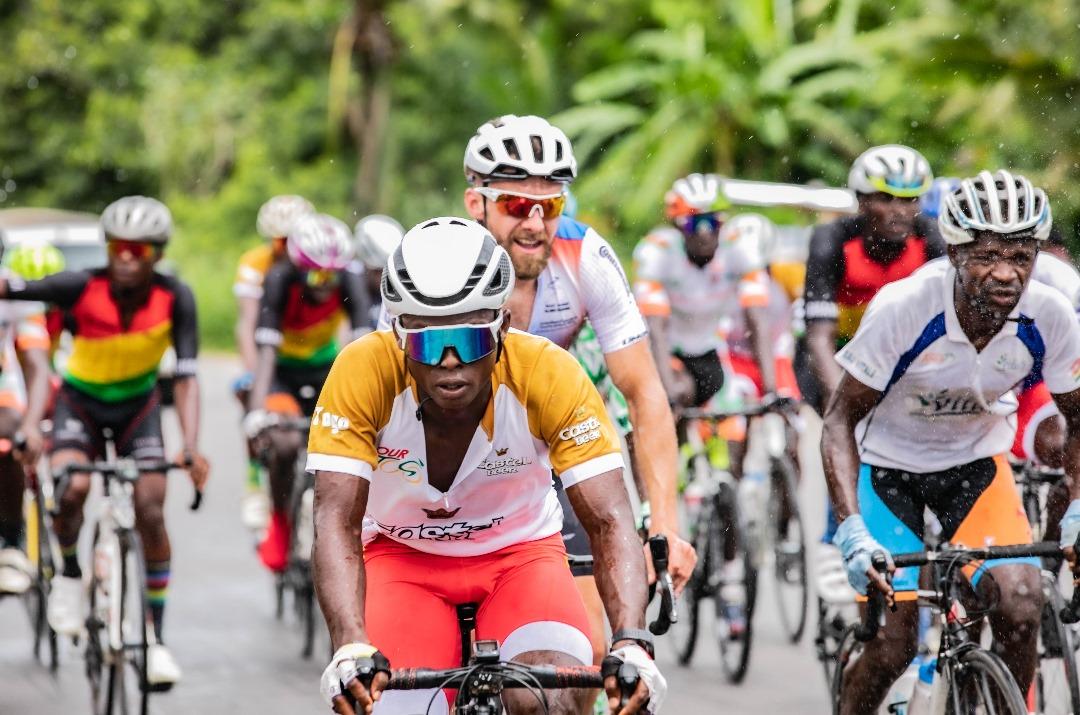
(544, 414)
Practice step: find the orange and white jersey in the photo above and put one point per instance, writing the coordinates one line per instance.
(252, 270)
(544, 414)
(697, 298)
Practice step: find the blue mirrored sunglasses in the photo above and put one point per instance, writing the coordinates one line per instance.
(698, 223)
(470, 342)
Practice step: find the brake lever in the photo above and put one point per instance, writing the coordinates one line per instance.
(658, 549)
(875, 603)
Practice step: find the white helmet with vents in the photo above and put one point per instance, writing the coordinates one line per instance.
(513, 147)
(377, 237)
(278, 215)
(892, 169)
(447, 266)
(1001, 203)
(137, 218)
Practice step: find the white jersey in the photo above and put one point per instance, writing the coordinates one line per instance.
(583, 280)
(697, 299)
(944, 404)
(544, 414)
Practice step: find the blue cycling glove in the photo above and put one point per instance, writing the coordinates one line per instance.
(243, 382)
(857, 547)
(1070, 524)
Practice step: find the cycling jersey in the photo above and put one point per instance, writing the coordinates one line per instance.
(842, 278)
(305, 333)
(942, 402)
(544, 415)
(694, 298)
(252, 270)
(586, 348)
(22, 327)
(113, 360)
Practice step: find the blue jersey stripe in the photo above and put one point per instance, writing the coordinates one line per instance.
(933, 330)
(1031, 338)
(571, 229)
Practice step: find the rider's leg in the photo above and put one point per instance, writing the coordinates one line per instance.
(1015, 620)
(280, 450)
(868, 678)
(69, 517)
(150, 523)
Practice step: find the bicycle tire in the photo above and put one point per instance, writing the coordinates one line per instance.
(849, 649)
(789, 564)
(981, 674)
(734, 645)
(684, 632)
(1057, 686)
(44, 570)
(94, 654)
(134, 619)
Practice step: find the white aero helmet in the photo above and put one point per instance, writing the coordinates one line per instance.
(377, 236)
(278, 214)
(320, 242)
(447, 266)
(513, 147)
(892, 169)
(137, 218)
(1001, 203)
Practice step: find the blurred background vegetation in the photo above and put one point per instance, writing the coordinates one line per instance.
(367, 105)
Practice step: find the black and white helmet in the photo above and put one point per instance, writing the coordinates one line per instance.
(1001, 203)
(279, 214)
(892, 169)
(447, 266)
(513, 147)
(137, 218)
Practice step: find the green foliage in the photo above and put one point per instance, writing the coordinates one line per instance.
(216, 106)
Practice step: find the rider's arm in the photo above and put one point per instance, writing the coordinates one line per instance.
(747, 236)
(655, 306)
(247, 316)
(268, 331)
(851, 401)
(61, 289)
(342, 451)
(185, 339)
(32, 347)
(824, 269)
(338, 554)
(1069, 406)
(603, 507)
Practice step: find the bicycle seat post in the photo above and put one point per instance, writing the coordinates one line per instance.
(466, 613)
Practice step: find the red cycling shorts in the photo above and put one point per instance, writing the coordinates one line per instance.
(1036, 404)
(749, 376)
(526, 595)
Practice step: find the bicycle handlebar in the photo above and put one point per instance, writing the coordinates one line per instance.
(874, 618)
(780, 404)
(126, 470)
(548, 676)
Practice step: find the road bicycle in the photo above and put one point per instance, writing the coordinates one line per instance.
(118, 629)
(968, 678)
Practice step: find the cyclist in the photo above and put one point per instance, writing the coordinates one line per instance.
(24, 368)
(122, 319)
(304, 301)
(518, 169)
(33, 261)
(377, 237)
(481, 523)
(275, 218)
(920, 419)
(691, 280)
(851, 258)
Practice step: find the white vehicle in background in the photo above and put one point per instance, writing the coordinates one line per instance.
(79, 237)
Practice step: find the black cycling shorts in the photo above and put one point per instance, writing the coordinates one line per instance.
(80, 421)
(708, 374)
(303, 384)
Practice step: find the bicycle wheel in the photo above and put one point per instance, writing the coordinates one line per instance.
(787, 538)
(733, 630)
(980, 684)
(98, 657)
(1057, 689)
(831, 629)
(134, 621)
(684, 630)
(40, 553)
(849, 649)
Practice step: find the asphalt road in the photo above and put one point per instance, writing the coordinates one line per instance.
(238, 659)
